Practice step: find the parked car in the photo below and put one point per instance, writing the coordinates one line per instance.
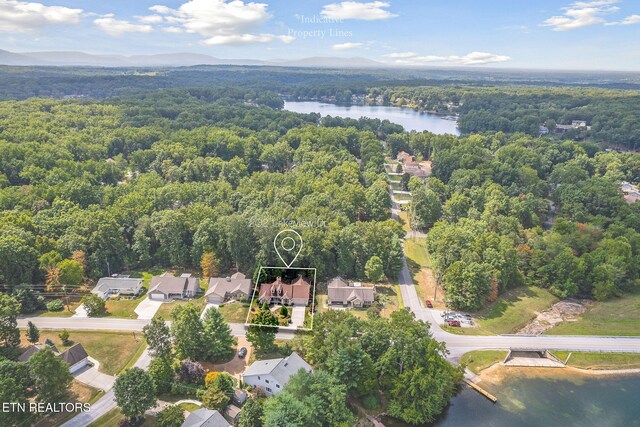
(429, 304)
(243, 352)
(454, 323)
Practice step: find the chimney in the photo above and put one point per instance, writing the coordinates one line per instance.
(228, 278)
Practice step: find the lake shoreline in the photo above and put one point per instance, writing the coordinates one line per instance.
(497, 373)
(409, 118)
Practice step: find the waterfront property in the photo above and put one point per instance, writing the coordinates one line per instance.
(168, 287)
(278, 292)
(349, 294)
(270, 376)
(222, 289)
(116, 286)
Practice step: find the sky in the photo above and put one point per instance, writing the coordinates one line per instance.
(538, 34)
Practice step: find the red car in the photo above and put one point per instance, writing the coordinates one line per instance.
(454, 323)
(429, 305)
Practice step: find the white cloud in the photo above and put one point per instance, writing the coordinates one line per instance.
(346, 46)
(20, 17)
(220, 21)
(238, 39)
(629, 20)
(150, 19)
(400, 55)
(371, 11)
(172, 30)
(115, 27)
(473, 58)
(582, 14)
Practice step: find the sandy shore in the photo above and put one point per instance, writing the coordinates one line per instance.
(497, 373)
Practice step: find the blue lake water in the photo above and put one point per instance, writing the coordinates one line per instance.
(408, 118)
(548, 401)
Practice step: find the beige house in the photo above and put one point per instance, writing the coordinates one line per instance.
(168, 287)
(222, 289)
(349, 294)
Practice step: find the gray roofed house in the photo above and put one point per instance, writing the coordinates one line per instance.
(223, 288)
(168, 287)
(273, 374)
(239, 396)
(232, 412)
(353, 295)
(108, 286)
(205, 418)
(75, 356)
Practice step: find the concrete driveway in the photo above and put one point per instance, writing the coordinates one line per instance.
(297, 317)
(147, 308)
(90, 376)
(207, 307)
(80, 311)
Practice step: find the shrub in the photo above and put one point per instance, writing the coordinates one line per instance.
(370, 402)
(191, 372)
(64, 336)
(284, 312)
(210, 378)
(55, 305)
(171, 416)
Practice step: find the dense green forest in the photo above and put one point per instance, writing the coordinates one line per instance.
(504, 211)
(162, 178)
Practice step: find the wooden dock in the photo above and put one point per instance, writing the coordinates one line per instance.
(482, 391)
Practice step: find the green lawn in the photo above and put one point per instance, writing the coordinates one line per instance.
(190, 407)
(113, 417)
(234, 312)
(617, 317)
(600, 360)
(513, 310)
(478, 360)
(416, 252)
(123, 308)
(166, 308)
(114, 350)
(404, 220)
(64, 313)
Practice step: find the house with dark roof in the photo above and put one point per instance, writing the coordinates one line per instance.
(270, 376)
(232, 412)
(205, 418)
(115, 286)
(168, 287)
(222, 289)
(75, 356)
(349, 294)
(279, 292)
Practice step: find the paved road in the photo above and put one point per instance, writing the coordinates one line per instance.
(460, 344)
(106, 402)
(108, 324)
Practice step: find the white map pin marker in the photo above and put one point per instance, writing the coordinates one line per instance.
(288, 243)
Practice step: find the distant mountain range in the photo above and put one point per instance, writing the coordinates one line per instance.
(171, 60)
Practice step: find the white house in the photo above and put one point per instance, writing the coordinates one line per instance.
(108, 286)
(272, 375)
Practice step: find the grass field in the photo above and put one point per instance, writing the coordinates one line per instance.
(419, 263)
(600, 360)
(114, 350)
(404, 220)
(478, 360)
(513, 310)
(123, 308)
(64, 313)
(617, 317)
(166, 308)
(234, 312)
(113, 417)
(189, 407)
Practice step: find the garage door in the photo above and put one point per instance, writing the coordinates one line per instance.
(156, 296)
